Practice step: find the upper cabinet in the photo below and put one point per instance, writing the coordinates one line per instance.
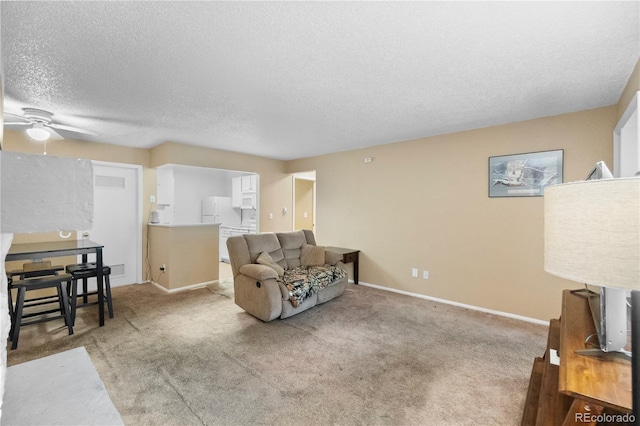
(165, 185)
(236, 192)
(243, 191)
(248, 183)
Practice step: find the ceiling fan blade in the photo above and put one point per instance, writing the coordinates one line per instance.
(21, 117)
(10, 123)
(53, 135)
(70, 129)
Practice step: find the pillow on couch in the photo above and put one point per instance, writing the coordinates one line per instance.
(267, 260)
(311, 255)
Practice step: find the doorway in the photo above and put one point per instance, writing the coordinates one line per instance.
(304, 200)
(117, 219)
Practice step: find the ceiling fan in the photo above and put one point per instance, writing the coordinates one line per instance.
(39, 125)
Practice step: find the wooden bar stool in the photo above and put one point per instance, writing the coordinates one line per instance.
(38, 283)
(84, 271)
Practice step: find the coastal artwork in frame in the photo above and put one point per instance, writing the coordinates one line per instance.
(525, 175)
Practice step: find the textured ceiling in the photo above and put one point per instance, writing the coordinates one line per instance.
(295, 79)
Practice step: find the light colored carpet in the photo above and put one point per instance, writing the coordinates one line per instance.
(369, 357)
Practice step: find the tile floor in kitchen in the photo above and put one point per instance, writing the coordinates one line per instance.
(225, 271)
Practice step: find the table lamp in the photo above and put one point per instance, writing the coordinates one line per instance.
(592, 236)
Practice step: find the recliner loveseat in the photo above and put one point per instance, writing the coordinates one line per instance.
(282, 274)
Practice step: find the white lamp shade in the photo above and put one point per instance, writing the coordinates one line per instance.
(592, 232)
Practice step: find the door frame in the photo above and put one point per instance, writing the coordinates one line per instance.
(139, 186)
(309, 176)
(633, 107)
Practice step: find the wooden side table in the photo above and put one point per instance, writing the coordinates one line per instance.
(580, 388)
(348, 256)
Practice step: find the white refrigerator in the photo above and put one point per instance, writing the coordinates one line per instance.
(219, 210)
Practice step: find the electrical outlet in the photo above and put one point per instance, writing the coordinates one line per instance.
(414, 272)
(425, 275)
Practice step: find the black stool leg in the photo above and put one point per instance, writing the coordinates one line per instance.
(15, 332)
(65, 308)
(108, 289)
(85, 290)
(74, 300)
(61, 303)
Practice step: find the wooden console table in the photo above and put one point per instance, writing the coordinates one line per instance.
(581, 388)
(349, 255)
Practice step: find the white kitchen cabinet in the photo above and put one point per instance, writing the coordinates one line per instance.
(165, 185)
(248, 183)
(236, 192)
(225, 233)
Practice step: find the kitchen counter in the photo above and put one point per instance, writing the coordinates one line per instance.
(183, 255)
(182, 225)
(240, 227)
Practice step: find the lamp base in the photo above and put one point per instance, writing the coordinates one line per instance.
(604, 355)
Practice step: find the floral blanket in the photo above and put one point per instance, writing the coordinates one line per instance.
(303, 281)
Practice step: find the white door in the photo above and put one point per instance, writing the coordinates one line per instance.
(116, 220)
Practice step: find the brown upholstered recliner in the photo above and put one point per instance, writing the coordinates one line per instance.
(262, 291)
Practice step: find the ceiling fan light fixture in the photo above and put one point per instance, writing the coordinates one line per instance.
(38, 132)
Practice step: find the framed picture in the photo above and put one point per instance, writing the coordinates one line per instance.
(525, 175)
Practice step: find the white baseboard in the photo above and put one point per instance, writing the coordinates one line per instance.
(461, 305)
(393, 290)
(187, 287)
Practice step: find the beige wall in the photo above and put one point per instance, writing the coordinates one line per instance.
(424, 204)
(632, 87)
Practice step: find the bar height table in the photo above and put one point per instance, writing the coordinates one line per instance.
(43, 250)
